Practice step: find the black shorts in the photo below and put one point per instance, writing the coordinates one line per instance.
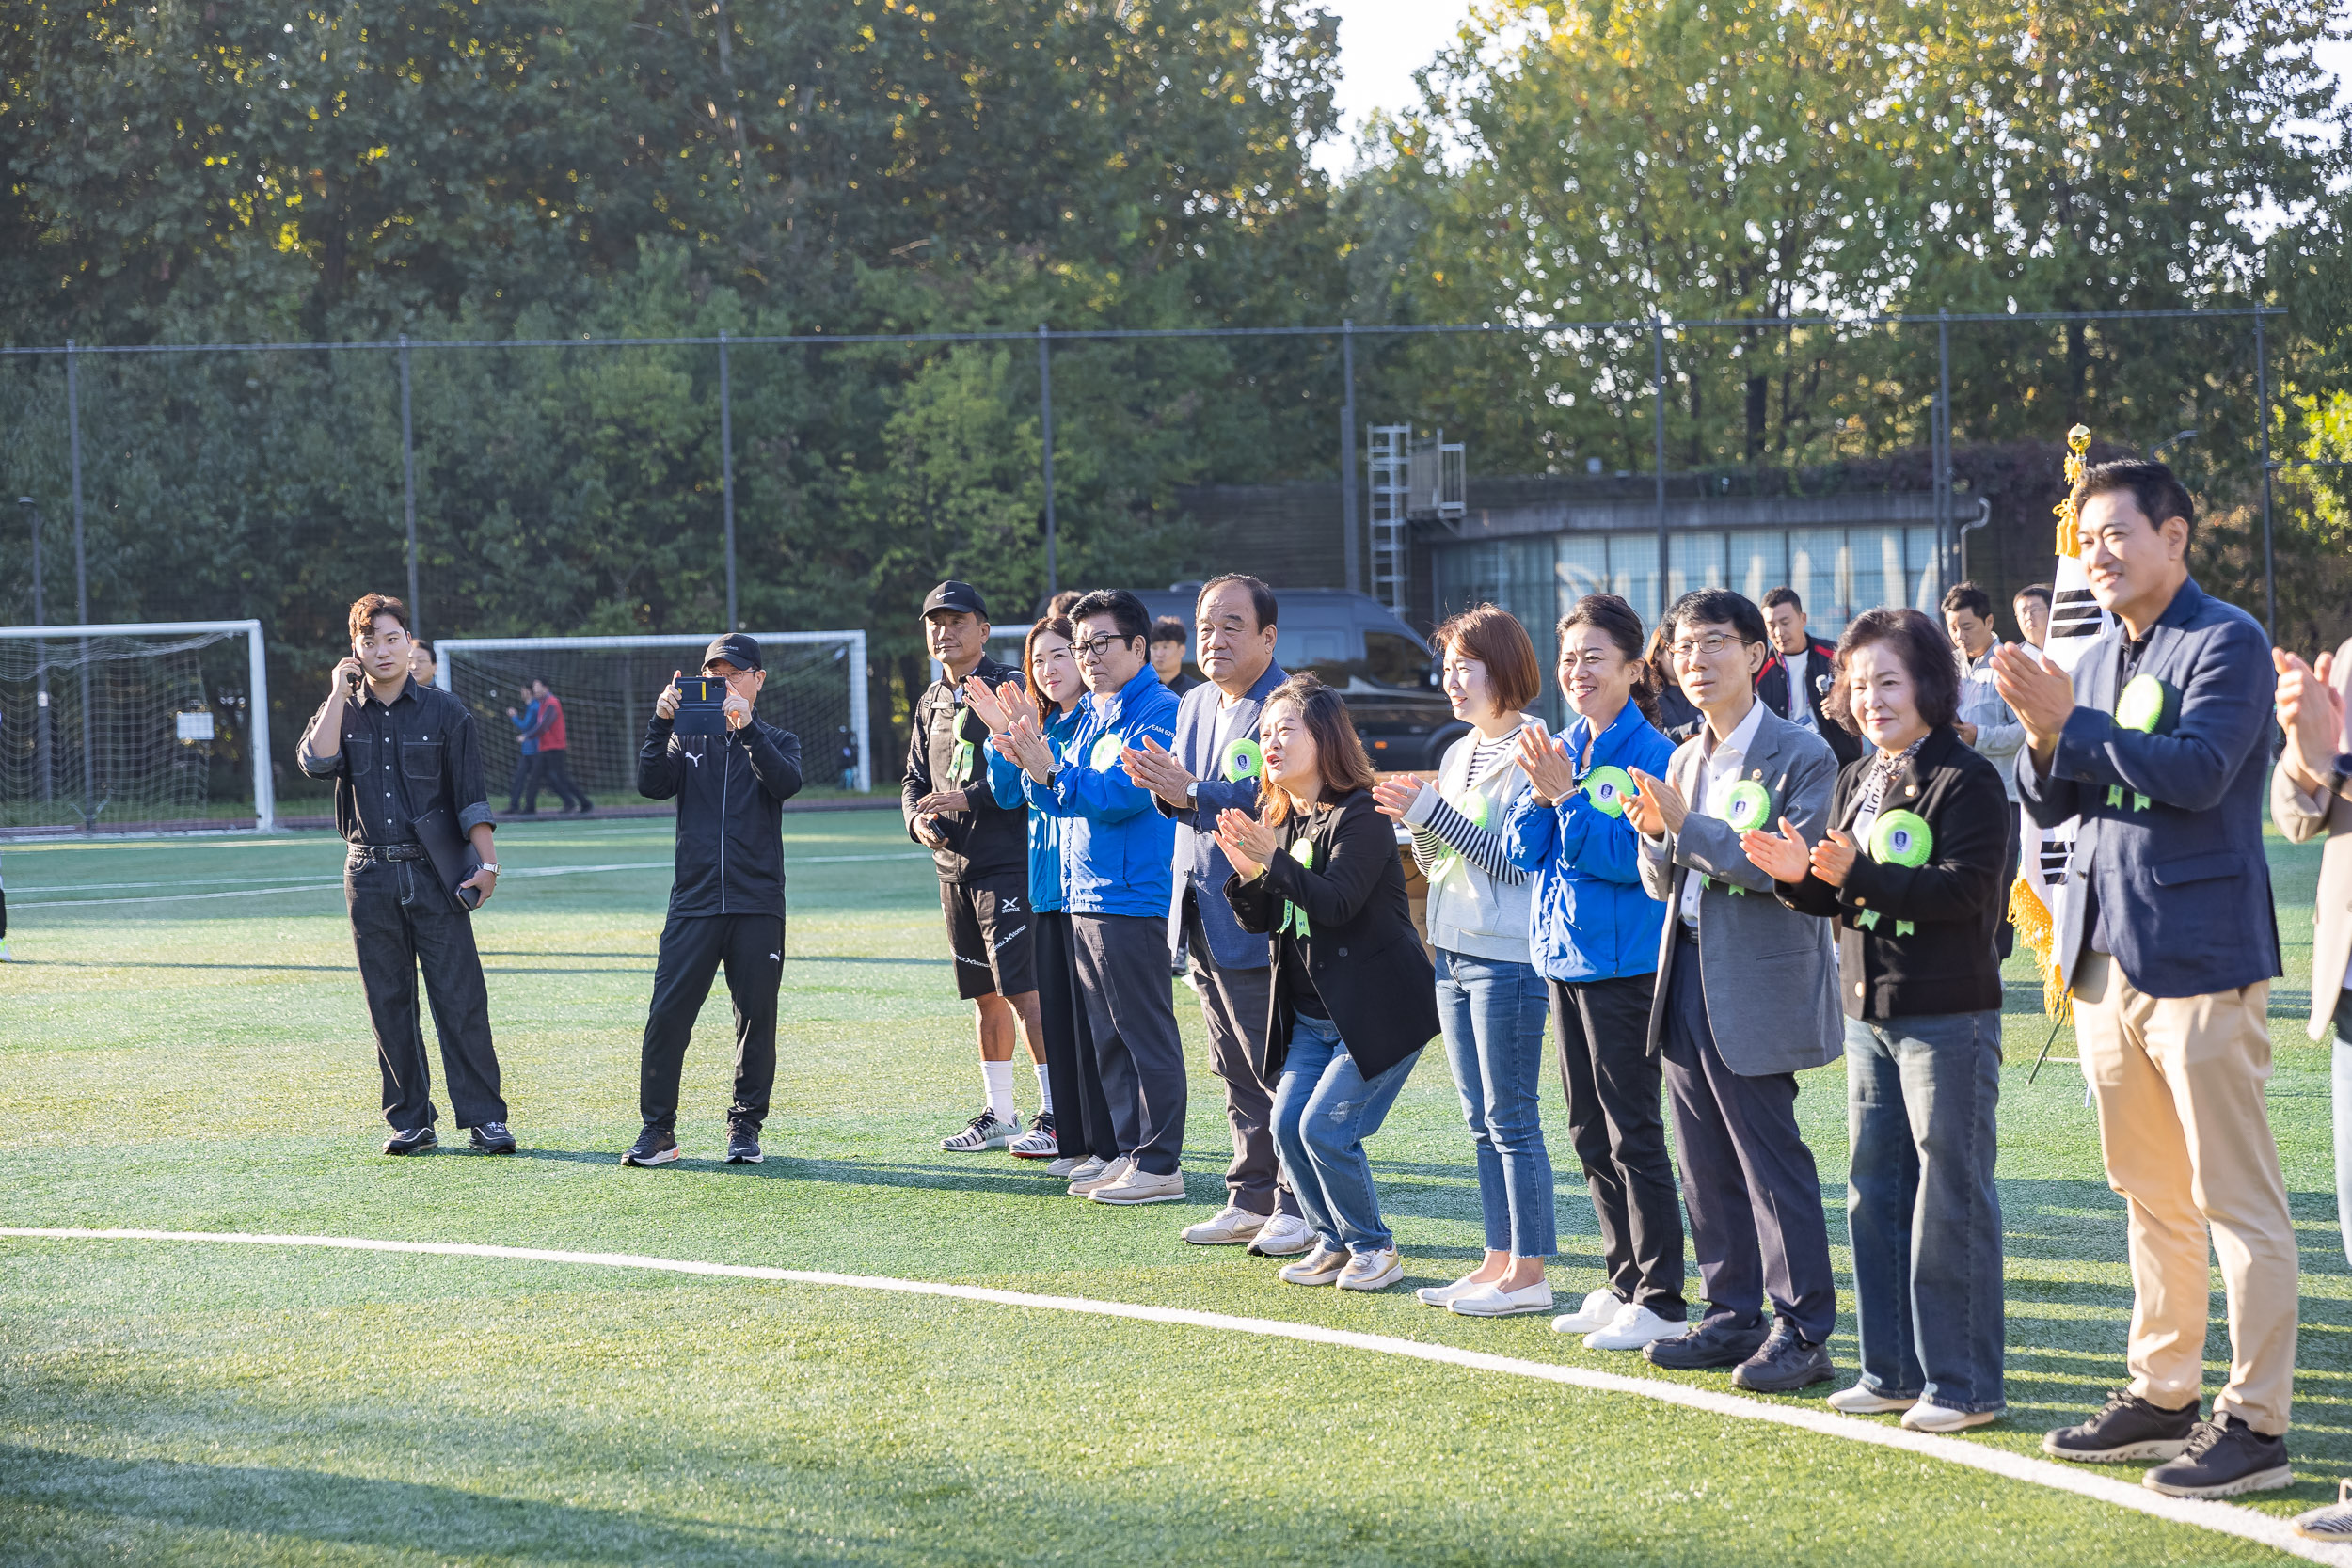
(990, 930)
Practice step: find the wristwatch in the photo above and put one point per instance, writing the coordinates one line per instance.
(491, 867)
(1192, 793)
(2340, 774)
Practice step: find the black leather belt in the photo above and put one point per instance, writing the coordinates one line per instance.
(1684, 930)
(388, 851)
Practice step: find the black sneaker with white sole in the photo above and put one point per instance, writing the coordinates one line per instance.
(492, 1137)
(2223, 1457)
(653, 1147)
(743, 1144)
(2126, 1428)
(416, 1140)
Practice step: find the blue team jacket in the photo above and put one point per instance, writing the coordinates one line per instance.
(1048, 835)
(1591, 920)
(1120, 853)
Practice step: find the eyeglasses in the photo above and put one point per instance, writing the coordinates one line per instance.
(1095, 647)
(1711, 644)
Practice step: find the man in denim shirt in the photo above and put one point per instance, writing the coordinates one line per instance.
(397, 750)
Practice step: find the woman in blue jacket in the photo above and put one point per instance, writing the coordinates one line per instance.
(1595, 942)
(1083, 1131)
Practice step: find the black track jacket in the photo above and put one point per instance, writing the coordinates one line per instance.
(730, 791)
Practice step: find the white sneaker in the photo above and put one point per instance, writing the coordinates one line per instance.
(1137, 1185)
(1863, 1399)
(982, 1132)
(1445, 1295)
(1632, 1327)
(1923, 1417)
(1319, 1267)
(1227, 1226)
(1372, 1271)
(1598, 1312)
(1071, 1164)
(1083, 1185)
(1493, 1301)
(1283, 1236)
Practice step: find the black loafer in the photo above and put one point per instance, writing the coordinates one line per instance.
(492, 1137)
(2126, 1428)
(1710, 1345)
(1785, 1365)
(416, 1140)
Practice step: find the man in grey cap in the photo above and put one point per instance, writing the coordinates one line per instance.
(981, 852)
(727, 897)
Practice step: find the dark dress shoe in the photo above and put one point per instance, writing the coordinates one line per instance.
(416, 1140)
(492, 1137)
(2126, 1428)
(1785, 1365)
(1708, 1346)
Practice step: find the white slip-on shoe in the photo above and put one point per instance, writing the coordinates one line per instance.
(1863, 1399)
(1598, 1312)
(1632, 1327)
(1283, 1236)
(1923, 1417)
(1069, 1166)
(1142, 1186)
(1372, 1271)
(1319, 1267)
(1226, 1226)
(1493, 1301)
(1083, 1185)
(1442, 1295)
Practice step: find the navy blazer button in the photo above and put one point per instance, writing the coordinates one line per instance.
(1342, 952)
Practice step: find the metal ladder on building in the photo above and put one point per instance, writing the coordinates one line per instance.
(1388, 456)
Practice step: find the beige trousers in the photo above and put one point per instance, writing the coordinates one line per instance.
(2186, 1140)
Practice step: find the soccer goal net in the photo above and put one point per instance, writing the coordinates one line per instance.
(606, 688)
(157, 726)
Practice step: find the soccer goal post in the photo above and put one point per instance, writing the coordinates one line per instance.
(152, 724)
(607, 686)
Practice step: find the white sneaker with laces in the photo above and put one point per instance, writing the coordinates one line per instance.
(1493, 1301)
(1632, 1327)
(1283, 1236)
(1083, 1185)
(1142, 1186)
(1225, 1228)
(1598, 1312)
(1923, 1417)
(1863, 1399)
(982, 1132)
(1039, 1142)
(1444, 1295)
(1319, 1267)
(2331, 1522)
(1371, 1270)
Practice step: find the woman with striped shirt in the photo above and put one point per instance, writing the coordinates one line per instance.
(1490, 1001)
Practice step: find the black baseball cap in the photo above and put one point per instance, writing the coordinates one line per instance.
(952, 595)
(737, 648)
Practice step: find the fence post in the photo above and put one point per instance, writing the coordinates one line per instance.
(408, 488)
(1046, 407)
(81, 584)
(257, 729)
(2262, 400)
(1657, 434)
(1351, 551)
(727, 466)
(1946, 541)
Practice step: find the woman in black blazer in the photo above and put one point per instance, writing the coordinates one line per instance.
(1913, 872)
(1355, 999)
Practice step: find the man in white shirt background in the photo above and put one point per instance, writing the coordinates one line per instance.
(1985, 721)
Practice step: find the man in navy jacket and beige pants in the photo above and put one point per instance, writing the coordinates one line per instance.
(2159, 743)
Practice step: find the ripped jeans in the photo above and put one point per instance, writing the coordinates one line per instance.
(1324, 1109)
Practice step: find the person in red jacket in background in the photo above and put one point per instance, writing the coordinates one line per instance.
(551, 770)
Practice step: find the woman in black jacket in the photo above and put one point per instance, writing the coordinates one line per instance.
(1913, 873)
(1355, 999)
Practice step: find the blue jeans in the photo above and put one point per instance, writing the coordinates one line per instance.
(2342, 1059)
(1323, 1110)
(1493, 1012)
(1922, 1212)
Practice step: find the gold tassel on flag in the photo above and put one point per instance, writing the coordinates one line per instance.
(2026, 912)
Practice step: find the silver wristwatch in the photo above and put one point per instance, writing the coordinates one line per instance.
(1192, 793)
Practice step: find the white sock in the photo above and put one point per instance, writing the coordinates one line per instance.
(1044, 1091)
(998, 1077)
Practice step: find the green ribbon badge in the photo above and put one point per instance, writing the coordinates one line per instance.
(2150, 706)
(1295, 918)
(1608, 788)
(1244, 759)
(1477, 810)
(1733, 888)
(1902, 839)
(1106, 753)
(1869, 919)
(962, 764)
(1749, 806)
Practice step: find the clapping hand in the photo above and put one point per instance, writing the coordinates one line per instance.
(997, 706)
(1155, 767)
(1656, 807)
(1834, 857)
(1544, 761)
(1780, 856)
(2311, 710)
(1026, 746)
(2038, 691)
(1395, 797)
(1249, 844)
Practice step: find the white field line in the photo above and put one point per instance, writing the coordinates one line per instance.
(281, 885)
(2225, 1518)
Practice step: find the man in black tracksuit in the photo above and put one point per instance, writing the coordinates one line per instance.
(727, 897)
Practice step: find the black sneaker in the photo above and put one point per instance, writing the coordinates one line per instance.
(2223, 1457)
(2126, 1428)
(416, 1140)
(1784, 1365)
(653, 1147)
(1705, 1346)
(743, 1144)
(492, 1137)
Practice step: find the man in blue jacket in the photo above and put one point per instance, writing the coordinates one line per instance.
(1209, 769)
(727, 897)
(1122, 880)
(2159, 743)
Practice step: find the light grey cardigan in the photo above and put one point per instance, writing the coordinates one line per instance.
(1480, 905)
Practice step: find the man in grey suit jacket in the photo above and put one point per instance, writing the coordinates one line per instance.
(1209, 771)
(2157, 742)
(1746, 999)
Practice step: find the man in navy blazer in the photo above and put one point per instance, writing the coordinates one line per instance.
(2159, 743)
(1215, 765)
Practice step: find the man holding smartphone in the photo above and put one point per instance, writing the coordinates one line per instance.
(397, 750)
(726, 896)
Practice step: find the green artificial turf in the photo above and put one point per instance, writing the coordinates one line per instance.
(205, 1064)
